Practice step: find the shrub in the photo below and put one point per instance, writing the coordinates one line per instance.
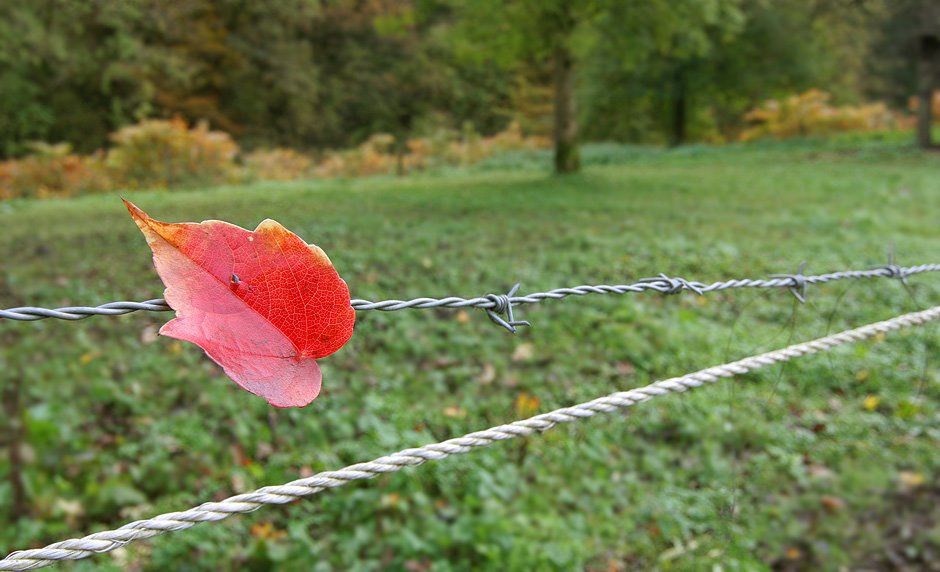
(168, 153)
(52, 171)
(373, 157)
(810, 113)
(913, 104)
(442, 148)
(278, 165)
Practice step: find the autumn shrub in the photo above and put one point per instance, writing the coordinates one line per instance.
(170, 153)
(375, 156)
(913, 105)
(52, 171)
(278, 164)
(380, 154)
(810, 113)
(470, 147)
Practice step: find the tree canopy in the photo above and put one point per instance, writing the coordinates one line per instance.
(316, 74)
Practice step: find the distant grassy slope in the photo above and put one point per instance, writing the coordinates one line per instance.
(785, 466)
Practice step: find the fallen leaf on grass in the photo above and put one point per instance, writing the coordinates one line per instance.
(390, 500)
(455, 412)
(149, 334)
(625, 368)
(831, 503)
(523, 352)
(488, 375)
(820, 472)
(267, 531)
(910, 479)
(87, 357)
(72, 510)
(423, 565)
(526, 404)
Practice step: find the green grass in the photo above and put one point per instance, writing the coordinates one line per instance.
(784, 468)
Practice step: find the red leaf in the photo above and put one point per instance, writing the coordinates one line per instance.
(262, 304)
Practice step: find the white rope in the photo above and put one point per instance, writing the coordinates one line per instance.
(106, 541)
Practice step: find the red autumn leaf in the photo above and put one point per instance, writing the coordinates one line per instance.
(263, 304)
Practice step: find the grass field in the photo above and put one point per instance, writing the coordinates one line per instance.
(828, 462)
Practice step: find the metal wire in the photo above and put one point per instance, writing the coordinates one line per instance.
(503, 303)
(106, 541)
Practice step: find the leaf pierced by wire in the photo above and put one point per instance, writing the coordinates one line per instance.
(263, 304)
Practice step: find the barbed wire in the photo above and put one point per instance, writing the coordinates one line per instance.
(106, 541)
(499, 305)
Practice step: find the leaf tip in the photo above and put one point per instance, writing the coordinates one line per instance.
(270, 226)
(135, 211)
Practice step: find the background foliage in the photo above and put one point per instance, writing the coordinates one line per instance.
(315, 75)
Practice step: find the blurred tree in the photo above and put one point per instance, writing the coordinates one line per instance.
(668, 44)
(928, 56)
(68, 71)
(907, 59)
(715, 59)
(380, 69)
(188, 58)
(512, 34)
(273, 89)
(322, 74)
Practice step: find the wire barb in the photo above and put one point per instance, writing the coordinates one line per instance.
(798, 288)
(673, 285)
(894, 271)
(502, 304)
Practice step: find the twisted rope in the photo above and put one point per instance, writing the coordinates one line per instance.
(501, 303)
(106, 541)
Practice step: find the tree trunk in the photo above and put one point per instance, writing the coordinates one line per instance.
(400, 160)
(677, 137)
(929, 46)
(567, 156)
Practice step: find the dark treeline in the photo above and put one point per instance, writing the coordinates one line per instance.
(323, 74)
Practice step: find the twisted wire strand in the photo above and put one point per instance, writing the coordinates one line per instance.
(662, 284)
(106, 541)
